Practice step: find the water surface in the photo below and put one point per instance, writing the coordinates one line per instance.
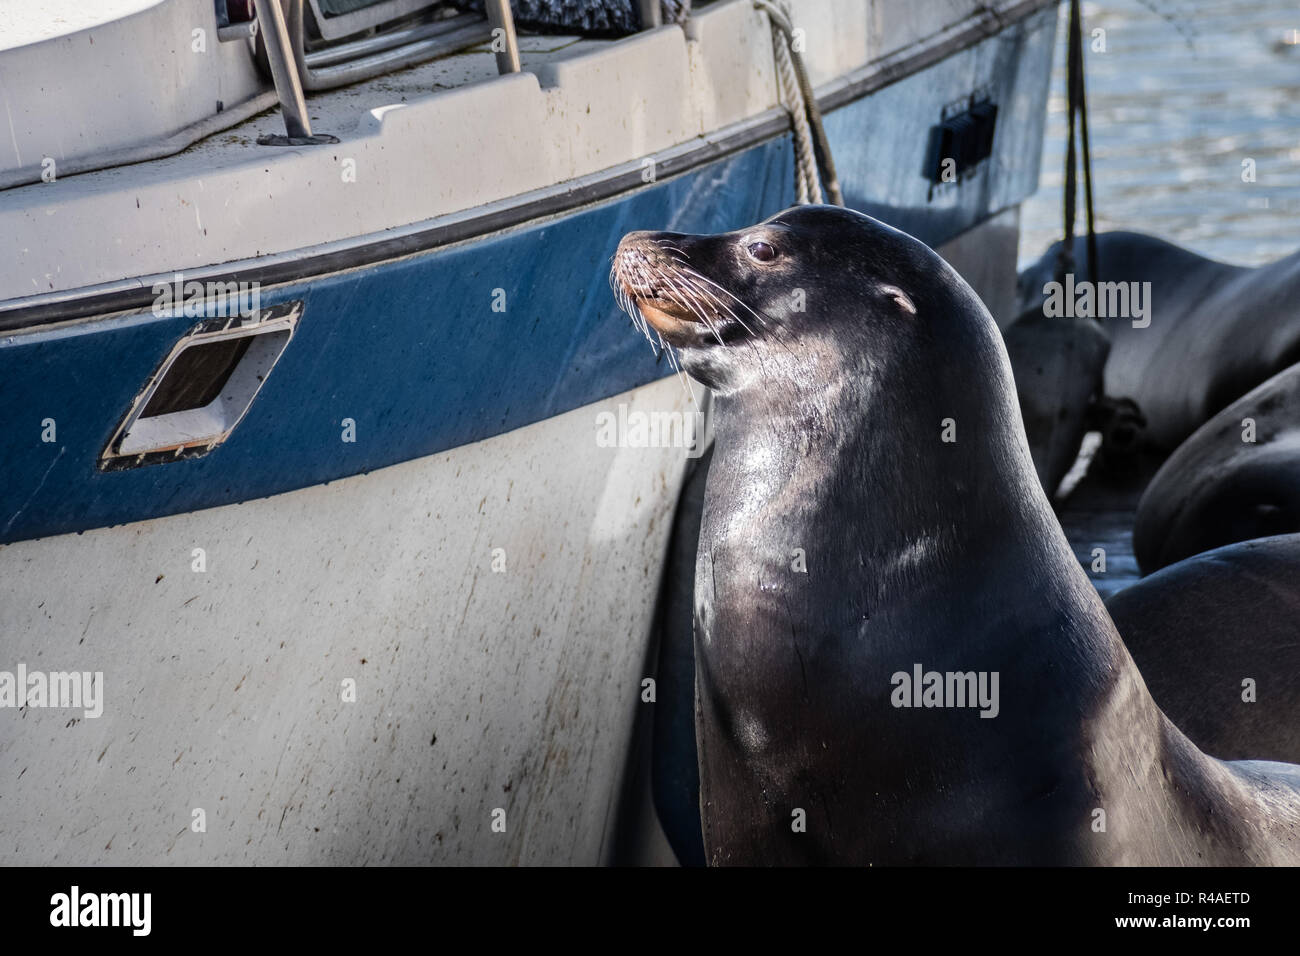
(1178, 99)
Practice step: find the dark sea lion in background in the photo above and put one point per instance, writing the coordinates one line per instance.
(1216, 330)
(1057, 363)
(1217, 488)
(846, 546)
(1199, 628)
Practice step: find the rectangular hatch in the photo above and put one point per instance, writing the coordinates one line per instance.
(202, 389)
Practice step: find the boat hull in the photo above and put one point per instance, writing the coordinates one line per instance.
(475, 558)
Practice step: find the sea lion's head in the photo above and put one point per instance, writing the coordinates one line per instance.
(785, 304)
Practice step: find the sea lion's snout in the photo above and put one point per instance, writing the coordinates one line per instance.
(646, 275)
(678, 285)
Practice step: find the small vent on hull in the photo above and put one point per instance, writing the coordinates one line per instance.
(202, 390)
(961, 142)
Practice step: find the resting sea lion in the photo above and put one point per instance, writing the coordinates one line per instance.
(1210, 331)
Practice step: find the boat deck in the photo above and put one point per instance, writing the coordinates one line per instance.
(28, 23)
(344, 112)
(451, 137)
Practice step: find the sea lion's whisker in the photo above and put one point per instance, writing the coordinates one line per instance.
(624, 299)
(717, 303)
(691, 303)
(681, 297)
(645, 274)
(785, 345)
(735, 298)
(641, 275)
(676, 366)
(703, 304)
(629, 272)
(664, 244)
(701, 309)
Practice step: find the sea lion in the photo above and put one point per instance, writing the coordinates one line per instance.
(1215, 330)
(1196, 630)
(872, 525)
(1236, 478)
(1057, 363)
(1201, 628)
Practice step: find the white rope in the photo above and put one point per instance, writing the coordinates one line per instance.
(807, 183)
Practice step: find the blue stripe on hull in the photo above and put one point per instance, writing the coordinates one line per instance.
(412, 349)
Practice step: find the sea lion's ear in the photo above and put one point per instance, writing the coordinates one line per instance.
(900, 297)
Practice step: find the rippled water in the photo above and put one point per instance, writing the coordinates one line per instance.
(1175, 105)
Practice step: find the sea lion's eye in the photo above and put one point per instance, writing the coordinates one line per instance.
(760, 252)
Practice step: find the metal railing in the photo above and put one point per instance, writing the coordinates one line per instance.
(504, 39)
(652, 14)
(295, 71)
(288, 86)
(372, 56)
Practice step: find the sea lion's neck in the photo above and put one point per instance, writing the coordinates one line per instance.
(865, 521)
(881, 489)
(845, 542)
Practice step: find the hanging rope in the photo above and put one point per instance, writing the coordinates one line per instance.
(814, 166)
(1077, 107)
(807, 184)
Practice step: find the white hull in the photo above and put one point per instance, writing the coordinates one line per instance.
(223, 689)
